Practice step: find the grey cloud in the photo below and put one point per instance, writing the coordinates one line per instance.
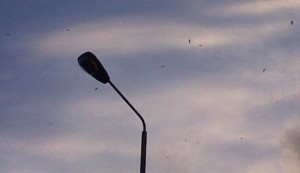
(52, 120)
(291, 150)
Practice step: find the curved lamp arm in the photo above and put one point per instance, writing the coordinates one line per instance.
(90, 63)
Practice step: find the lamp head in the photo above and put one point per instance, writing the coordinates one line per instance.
(90, 63)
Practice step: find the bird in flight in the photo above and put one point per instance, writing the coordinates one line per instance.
(264, 69)
(189, 41)
(96, 89)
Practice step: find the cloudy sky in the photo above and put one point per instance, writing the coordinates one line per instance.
(227, 102)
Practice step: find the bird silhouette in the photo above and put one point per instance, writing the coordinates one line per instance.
(67, 30)
(292, 22)
(189, 41)
(264, 70)
(96, 89)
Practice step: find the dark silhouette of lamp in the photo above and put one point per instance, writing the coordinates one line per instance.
(90, 63)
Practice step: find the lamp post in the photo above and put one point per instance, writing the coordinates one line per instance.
(90, 63)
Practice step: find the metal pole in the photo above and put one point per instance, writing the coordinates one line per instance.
(143, 152)
(144, 132)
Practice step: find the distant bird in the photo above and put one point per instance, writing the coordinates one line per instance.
(7, 34)
(67, 30)
(242, 138)
(50, 123)
(189, 41)
(264, 70)
(96, 89)
(162, 66)
(200, 45)
(292, 22)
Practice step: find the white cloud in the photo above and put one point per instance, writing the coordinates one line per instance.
(194, 123)
(131, 36)
(255, 8)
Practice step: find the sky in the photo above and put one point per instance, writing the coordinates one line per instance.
(225, 102)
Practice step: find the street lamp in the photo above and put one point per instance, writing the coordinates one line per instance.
(90, 63)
